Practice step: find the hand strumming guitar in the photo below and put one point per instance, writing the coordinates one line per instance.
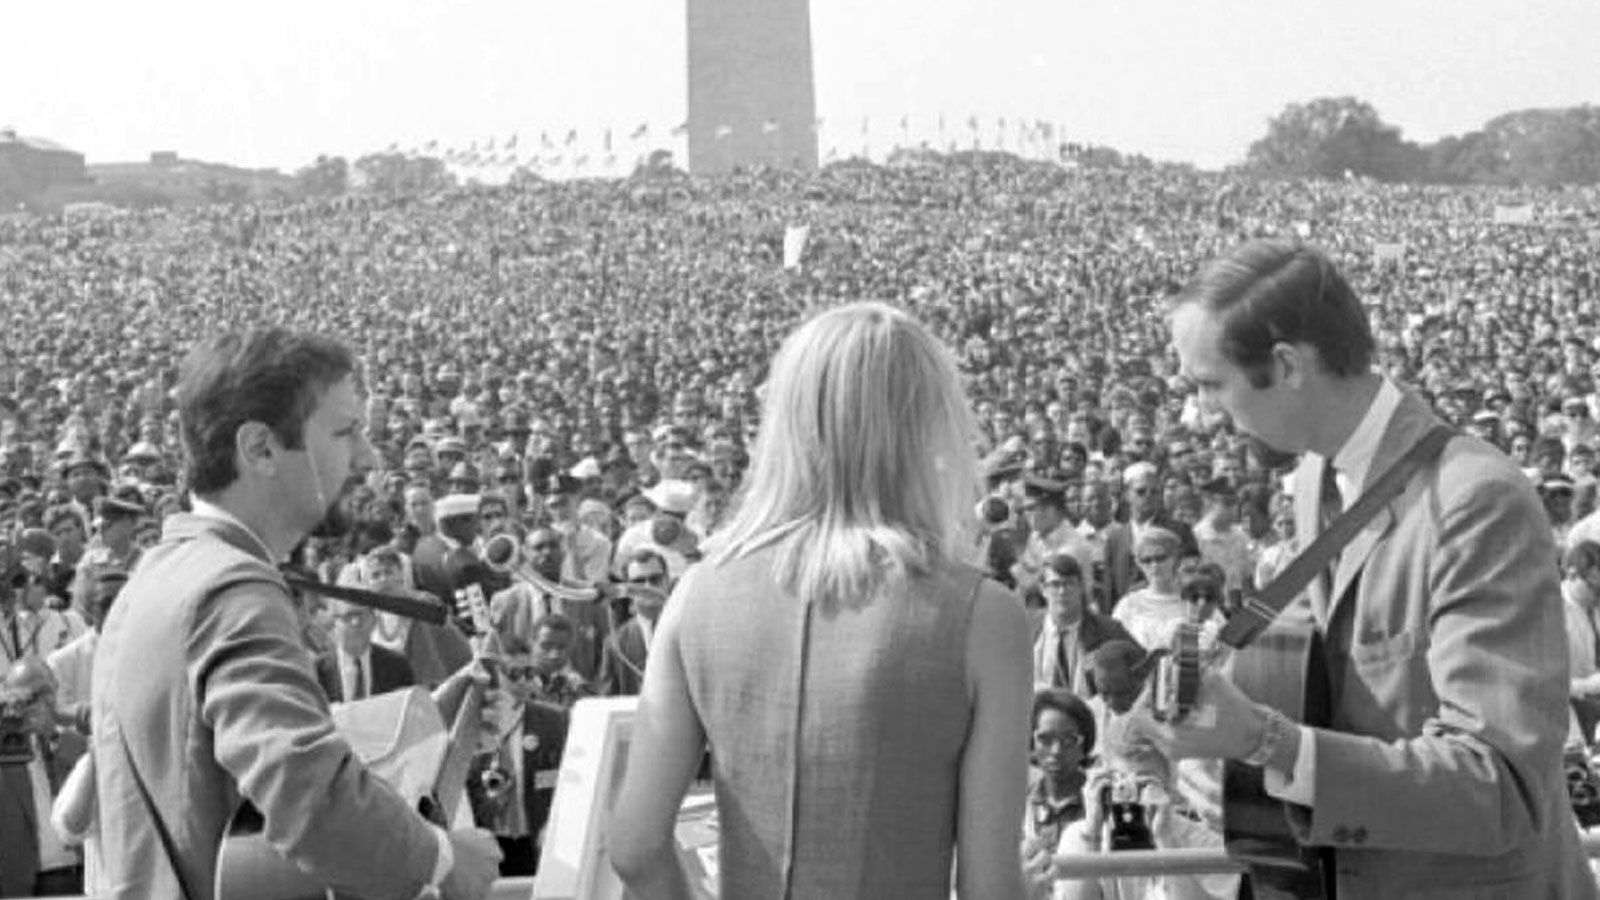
(1225, 724)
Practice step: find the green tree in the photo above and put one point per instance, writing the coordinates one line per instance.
(399, 173)
(328, 176)
(1331, 136)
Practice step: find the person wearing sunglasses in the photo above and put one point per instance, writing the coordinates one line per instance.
(1146, 510)
(1151, 613)
(647, 583)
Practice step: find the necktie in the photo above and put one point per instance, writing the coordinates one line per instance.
(1332, 508)
(359, 679)
(1063, 675)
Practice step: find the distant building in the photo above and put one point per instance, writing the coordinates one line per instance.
(751, 95)
(33, 165)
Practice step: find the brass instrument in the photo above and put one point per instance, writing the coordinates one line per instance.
(503, 554)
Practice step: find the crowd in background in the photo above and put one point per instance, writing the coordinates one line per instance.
(577, 366)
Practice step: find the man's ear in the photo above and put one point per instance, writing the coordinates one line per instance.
(1289, 362)
(257, 448)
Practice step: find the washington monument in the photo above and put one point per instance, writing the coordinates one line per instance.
(751, 95)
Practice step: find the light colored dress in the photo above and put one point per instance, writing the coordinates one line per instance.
(836, 731)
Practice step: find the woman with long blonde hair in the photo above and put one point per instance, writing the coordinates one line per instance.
(860, 686)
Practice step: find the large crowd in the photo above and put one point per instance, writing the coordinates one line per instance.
(562, 381)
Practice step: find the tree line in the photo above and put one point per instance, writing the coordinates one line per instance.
(1336, 137)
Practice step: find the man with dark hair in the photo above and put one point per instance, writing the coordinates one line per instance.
(1441, 770)
(204, 694)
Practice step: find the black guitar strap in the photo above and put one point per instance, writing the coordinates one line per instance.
(1258, 612)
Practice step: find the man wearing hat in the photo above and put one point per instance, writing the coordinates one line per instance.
(667, 531)
(446, 565)
(1044, 505)
(117, 517)
(1557, 492)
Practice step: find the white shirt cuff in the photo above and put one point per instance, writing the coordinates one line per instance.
(441, 865)
(1299, 787)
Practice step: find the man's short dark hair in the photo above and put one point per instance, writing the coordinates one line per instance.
(1268, 292)
(274, 376)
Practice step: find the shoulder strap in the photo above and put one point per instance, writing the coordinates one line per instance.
(1259, 611)
(167, 844)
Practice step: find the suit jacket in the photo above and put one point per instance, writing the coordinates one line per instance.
(1441, 773)
(622, 661)
(1122, 575)
(202, 679)
(1094, 629)
(390, 672)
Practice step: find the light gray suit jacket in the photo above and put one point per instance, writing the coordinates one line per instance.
(1442, 776)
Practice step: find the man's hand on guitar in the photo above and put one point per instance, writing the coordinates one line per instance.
(477, 865)
(1225, 725)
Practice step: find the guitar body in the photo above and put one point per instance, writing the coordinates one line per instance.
(1285, 668)
(401, 737)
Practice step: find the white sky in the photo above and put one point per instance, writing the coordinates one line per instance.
(274, 84)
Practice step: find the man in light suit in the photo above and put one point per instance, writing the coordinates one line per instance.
(1440, 774)
(203, 694)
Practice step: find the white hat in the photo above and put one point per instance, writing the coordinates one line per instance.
(673, 495)
(1139, 471)
(588, 467)
(452, 505)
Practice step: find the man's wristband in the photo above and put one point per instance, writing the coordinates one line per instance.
(1276, 726)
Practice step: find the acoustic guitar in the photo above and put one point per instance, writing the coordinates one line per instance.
(249, 868)
(1284, 667)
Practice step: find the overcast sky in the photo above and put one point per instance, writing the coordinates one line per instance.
(274, 84)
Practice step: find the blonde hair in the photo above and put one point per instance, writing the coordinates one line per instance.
(864, 470)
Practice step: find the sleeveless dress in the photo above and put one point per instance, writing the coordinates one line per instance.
(836, 731)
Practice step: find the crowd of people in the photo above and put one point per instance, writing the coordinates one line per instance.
(562, 382)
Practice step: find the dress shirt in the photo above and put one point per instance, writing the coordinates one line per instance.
(1351, 465)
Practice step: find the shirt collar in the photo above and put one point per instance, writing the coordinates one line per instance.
(1354, 459)
(209, 510)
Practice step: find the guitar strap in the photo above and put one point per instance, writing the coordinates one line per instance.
(1258, 612)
